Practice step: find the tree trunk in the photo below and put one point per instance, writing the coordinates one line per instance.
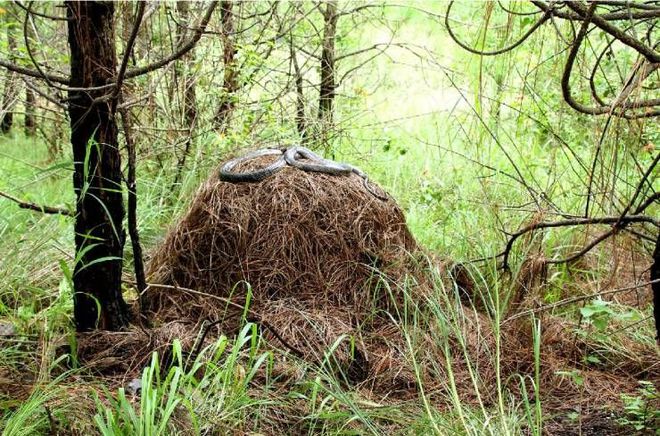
(98, 301)
(230, 83)
(655, 275)
(300, 96)
(131, 183)
(30, 124)
(327, 88)
(183, 70)
(9, 92)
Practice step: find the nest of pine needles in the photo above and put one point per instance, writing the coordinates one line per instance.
(317, 260)
(323, 240)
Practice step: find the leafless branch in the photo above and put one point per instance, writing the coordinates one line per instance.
(182, 50)
(37, 207)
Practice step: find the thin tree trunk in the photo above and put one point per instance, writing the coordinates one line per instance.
(230, 83)
(138, 263)
(655, 275)
(183, 68)
(9, 92)
(30, 103)
(300, 96)
(29, 123)
(327, 88)
(98, 301)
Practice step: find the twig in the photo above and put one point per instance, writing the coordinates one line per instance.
(571, 300)
(45, 95)
(648, 202)
(614, 16)
(640, 186)
(40, 14)
(650, 54)
(522, 39)
(587, 248)
(33, 73)
(618, 221)
(185, 48)
(36, 207)
(127, 55)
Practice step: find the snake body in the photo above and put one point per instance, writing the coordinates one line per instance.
(228, 175)
(291, 156)
(316, 163)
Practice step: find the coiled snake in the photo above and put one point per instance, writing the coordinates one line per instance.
(291, 156)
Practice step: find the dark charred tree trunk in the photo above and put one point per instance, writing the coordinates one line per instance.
(98, 301)
(9, 92)
(327, 88)
(230, 79)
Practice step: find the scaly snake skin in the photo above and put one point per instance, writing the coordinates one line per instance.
(291, 156)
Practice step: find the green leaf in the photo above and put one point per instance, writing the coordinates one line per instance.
(587, 311)
(593, 359)
(600, 322)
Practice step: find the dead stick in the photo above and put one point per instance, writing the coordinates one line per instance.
(37, 207)
(576, 299)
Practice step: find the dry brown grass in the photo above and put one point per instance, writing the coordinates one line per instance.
(323, 258)
(320, 239)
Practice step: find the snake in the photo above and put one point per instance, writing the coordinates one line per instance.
(292, 156)
(317, 163)
(228, 175)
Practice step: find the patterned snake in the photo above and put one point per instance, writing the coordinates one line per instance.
(291, 156)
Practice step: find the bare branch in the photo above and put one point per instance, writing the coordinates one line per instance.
(577, 299)
(40, 14)
(36, 207)
(650, 54)
(614, 16)
(33, 73)
(618, 221)
(127, 55)
(522, 39)
(182, 50)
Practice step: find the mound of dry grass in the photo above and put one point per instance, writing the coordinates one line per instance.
(324, 258)
(322, 240)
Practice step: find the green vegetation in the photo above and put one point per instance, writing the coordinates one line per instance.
(472, 148)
